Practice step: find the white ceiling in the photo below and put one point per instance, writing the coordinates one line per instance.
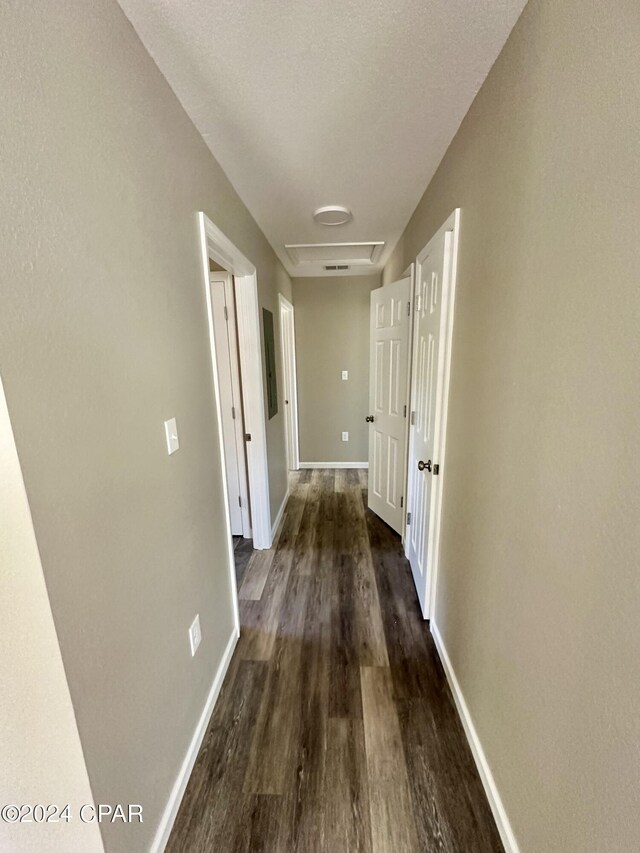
(308, 103)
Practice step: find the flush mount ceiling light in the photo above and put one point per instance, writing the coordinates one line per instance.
(332, 214)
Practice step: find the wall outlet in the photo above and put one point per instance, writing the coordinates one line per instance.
(195, 635)
(171, 434)
(345, 374)
(345, 436)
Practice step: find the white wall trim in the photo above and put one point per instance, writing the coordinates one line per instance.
(223, 251)
(217, 246)
(334, 464)
(491, 789)
(177, 792)
(278, 518)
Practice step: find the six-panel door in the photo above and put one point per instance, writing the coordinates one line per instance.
(426, 402)
(389, 352)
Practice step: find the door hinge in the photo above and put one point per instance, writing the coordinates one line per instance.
(233, 412)
(401, 502)
(239, 500)
(226, 314)
(435, 470)
(247, 436)
(408, 309)
(408, 519)
(405, 411)
(413, 418)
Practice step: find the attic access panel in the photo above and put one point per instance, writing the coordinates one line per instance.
(353, 254)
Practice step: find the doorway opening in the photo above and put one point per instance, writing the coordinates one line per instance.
(288, 352)
(235, 285)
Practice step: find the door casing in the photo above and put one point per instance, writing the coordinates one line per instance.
(216, 245)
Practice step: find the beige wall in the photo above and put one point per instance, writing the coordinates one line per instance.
(103, 335)
(539, 598)
(41, 758)
(332, 335)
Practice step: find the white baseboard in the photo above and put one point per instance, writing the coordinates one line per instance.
(334, 464)
(491, 790)
(177, 792)
(278, 519)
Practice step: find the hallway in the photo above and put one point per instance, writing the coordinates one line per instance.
(335, 729)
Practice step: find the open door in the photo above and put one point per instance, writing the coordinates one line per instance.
(288, 352)
(433, 327)
(224, 328)
(388, 370)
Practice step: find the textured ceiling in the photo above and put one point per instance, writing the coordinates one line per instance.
(305, 103)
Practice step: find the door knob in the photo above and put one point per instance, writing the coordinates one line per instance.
(424, 465)
(369, 419)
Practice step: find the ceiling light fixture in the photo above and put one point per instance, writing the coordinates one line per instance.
(332, 214)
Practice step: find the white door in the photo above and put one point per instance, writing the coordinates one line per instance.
(224, 332)
(288, 350)
(388, 367)
(433, 319)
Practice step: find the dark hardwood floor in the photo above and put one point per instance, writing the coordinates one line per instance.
(242, 552)
(335, 730)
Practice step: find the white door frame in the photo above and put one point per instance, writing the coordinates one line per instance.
(231, 343)
(214, 244)
(452, 224)
(289, 374)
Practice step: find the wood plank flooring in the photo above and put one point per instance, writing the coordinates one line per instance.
(335, 730)
(242, 552)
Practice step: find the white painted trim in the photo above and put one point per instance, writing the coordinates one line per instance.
(278, 519)
(217, 246)
(223, 251)
(290, 378)
(231, 566)
(491, 789)
(177, 792)
(334, 464)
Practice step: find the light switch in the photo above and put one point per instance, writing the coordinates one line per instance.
(171, 434)
(345, 374)
(345, 436)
